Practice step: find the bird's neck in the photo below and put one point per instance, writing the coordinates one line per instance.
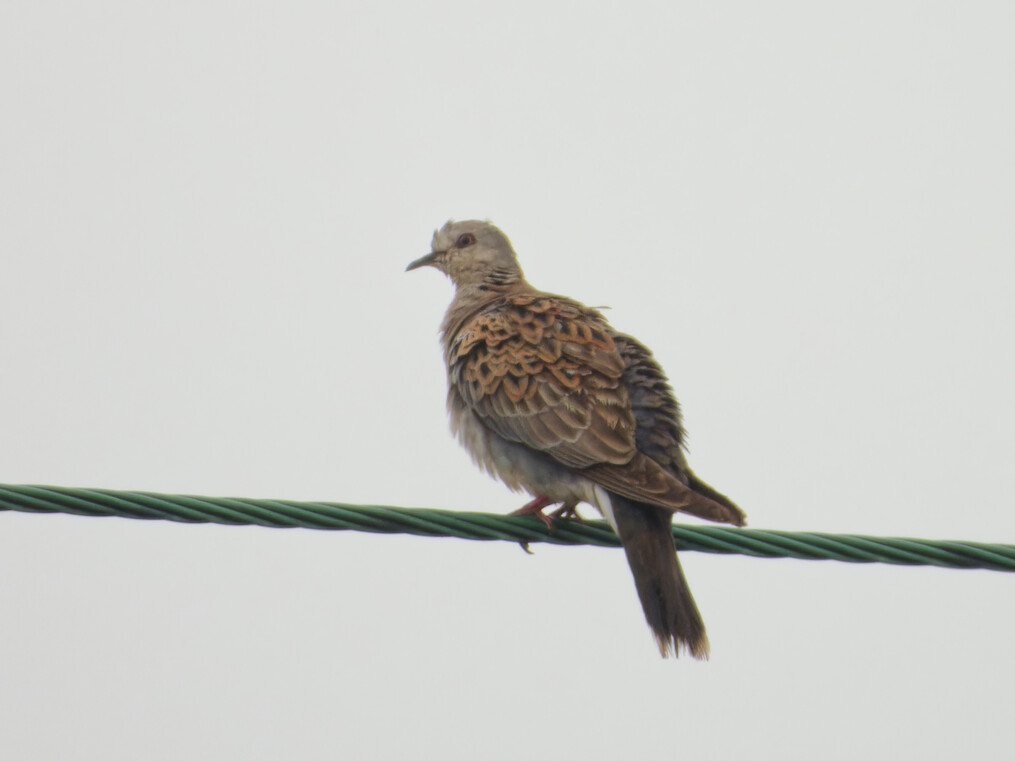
(472, 299)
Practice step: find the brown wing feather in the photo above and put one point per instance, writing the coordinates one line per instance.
(545, 372)
(548, 373)
(660, 473)
(645, 480)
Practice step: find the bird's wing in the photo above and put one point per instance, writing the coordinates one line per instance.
(659, 431)
(548, 373)
(545, 372)
(660, 469)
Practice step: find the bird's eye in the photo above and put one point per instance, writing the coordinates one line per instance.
(465, 239)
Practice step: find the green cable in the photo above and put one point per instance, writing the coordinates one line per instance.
(333, 516)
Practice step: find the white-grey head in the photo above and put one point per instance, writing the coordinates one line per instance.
(472, 254)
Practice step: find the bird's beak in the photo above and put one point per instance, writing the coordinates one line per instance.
(430, 260)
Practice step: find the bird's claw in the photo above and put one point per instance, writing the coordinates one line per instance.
(535, 507)
(567, 513)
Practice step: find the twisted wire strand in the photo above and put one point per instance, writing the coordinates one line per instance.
(274, 513)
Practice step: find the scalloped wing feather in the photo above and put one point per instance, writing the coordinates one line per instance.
(545, 372)
(548, 373)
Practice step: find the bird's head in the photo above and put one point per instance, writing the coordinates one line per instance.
(472, 254)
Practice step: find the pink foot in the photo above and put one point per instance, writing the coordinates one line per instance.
(535, 507)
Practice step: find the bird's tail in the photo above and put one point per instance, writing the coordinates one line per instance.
(645, 533)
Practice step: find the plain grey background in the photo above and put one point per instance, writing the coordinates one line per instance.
(805, 209)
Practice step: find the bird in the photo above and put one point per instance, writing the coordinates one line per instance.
(546, 396)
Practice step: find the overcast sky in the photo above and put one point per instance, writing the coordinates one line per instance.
(206, 208)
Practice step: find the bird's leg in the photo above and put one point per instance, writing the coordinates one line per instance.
(535, 507)
(567, 511)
